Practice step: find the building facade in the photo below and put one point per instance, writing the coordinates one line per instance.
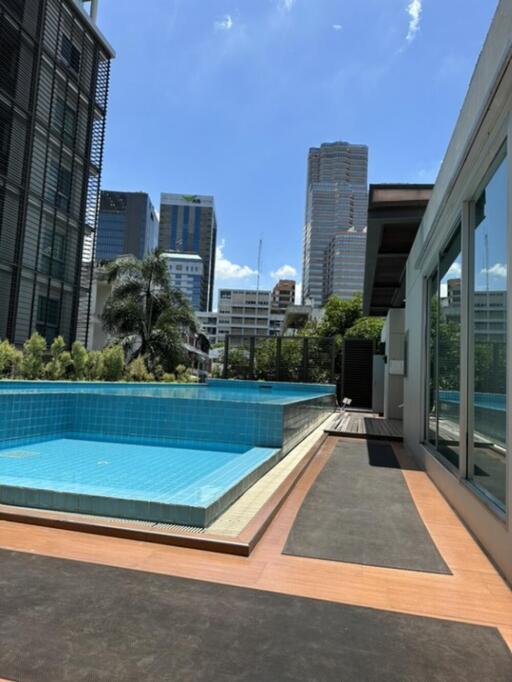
(54, 75)
(242, 313)
(283, 295)
(344, 263)
(127, 225)
(336, 201)
(188, 225)
(186, 272)
(458, 384)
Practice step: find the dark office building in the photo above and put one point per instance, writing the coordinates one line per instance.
(54, 74)
(127, 225)
(188, 225)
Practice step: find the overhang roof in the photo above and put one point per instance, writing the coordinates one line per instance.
(395, 212)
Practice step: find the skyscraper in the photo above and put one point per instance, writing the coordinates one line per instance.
(188, 225)
(127, 225)
(54, 74)
(336, 201)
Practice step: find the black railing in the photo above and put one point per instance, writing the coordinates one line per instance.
(281, 358)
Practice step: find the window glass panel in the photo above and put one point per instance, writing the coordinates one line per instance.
(48, 310)
(70, 53)
(488, 454)
(9, 47)
(65, 120)
(450, 265)
(5, 136)
(432, 368)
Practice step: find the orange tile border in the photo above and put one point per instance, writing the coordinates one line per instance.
(475, 593)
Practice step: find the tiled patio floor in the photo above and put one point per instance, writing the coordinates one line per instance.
(474, 593)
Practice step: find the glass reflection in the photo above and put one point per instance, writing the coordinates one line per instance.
(489, 301)
(448, 345)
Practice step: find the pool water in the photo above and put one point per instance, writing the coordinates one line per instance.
(163, 453)
(135, 481)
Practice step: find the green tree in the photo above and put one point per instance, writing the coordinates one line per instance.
(60, 360)
(113, 363)
(10, 359)
(238, 363)
(340, 315)
(145, 314)
(78, 360)
(366, 328)
(32, 362)
(94, 366)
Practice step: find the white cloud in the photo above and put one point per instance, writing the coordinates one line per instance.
(337, 27)
(286, 4)
(497, 270)
(225, 24)
(225, 269)
(455, 269)
(283, 272)
(414, 10)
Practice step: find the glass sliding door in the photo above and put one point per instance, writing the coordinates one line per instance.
(448, 345)
(488, 335)
(432, 316)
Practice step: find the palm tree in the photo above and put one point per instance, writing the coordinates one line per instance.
(144, 313)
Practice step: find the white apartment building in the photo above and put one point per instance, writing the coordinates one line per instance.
(242, 313)
(186, 272)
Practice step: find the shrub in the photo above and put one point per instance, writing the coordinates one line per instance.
(94, 365)
(137, 370)
(184, 375)
(61, 360)
(10, 360)
(169, 378)
(32, 363)
(113, 363)
(79, 358)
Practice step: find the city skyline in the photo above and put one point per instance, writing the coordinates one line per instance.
(237, 124)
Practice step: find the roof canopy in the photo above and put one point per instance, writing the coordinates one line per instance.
(395, 212)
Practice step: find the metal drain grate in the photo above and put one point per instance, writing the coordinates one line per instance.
(18, 454)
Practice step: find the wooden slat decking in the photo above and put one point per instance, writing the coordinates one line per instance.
(365, 425)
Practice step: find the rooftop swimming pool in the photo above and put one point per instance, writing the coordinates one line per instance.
(173, 454)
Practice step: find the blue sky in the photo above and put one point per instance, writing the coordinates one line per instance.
(225, 97)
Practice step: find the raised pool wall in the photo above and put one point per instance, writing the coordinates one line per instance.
(67, 412)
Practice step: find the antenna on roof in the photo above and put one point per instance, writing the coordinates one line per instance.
(259, 266)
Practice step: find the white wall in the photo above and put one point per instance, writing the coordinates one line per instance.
(393, 337)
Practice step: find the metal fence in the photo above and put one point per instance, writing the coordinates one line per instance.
(281, 358)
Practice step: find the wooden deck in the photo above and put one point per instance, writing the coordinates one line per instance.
(473, 593)
(365, 425)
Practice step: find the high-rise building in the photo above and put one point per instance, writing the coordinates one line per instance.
(336, 201)
(283, 295)
(127, 225)
(188, 225)
(344, 263)
(54, 75)
(186, 271)
(242, 313)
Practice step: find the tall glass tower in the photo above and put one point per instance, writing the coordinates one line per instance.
(54, 75)
(336, 201)
(188, 225)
